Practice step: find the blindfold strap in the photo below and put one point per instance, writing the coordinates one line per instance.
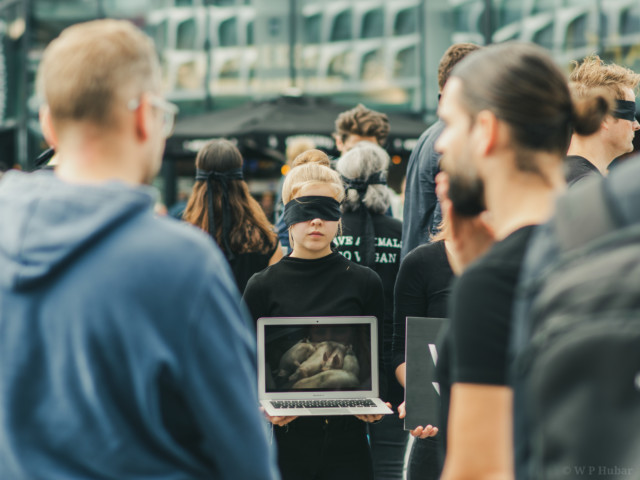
(368, 237)
(303, 209)
(625, 110)
(222, 178)
(378, 178)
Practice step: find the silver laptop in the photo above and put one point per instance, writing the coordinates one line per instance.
(319, 366)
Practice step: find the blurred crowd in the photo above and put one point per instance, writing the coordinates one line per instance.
(128, 337)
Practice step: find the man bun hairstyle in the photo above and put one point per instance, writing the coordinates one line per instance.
(590, 109)
(523, 87)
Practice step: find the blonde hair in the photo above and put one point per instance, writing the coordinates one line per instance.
(444, 231)
(311, 156)
(93, 68)
(593, 73)
(309, 174)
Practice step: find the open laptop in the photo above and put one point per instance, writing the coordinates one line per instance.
(319, 366)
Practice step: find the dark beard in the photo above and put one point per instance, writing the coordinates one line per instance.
(467, 195)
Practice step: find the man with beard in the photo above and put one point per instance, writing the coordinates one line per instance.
(508, 116)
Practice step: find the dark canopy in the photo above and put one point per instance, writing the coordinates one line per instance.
(267, 124)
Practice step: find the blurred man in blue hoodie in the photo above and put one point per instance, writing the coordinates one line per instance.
(124, 347)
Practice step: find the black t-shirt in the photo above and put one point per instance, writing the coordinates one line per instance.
(422, 290)
(576, 168)
(474, 348)
(388, 234)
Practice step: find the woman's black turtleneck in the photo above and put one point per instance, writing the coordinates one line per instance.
(327, 286)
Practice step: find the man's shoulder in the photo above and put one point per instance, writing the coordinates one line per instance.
(172, 244)
(430, 135)
(578, 168)
(424, 152)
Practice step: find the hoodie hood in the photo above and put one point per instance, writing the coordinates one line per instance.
(44, 222)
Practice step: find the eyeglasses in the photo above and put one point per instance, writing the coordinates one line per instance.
(169, 111)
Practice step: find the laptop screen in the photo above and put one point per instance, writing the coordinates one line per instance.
(316, 357)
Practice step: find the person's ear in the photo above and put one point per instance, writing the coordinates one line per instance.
(488, 127)
(143, 119)
(339, 143)
(606, 123)
(47, 126)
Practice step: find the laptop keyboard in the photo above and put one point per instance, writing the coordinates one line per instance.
(322, 403)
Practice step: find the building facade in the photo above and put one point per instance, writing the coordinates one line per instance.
(384, 53)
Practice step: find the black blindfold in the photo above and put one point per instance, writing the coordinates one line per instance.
(625, 110)
(303, 209)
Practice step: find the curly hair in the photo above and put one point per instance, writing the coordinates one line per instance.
(363, 122)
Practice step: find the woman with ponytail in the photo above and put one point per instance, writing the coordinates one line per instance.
(221, 205)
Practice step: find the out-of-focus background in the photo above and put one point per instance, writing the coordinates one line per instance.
(262, 72)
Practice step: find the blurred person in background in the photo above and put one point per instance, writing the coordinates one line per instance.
(222, 206)
(372, 238)
(590, 155)
(422, 213)
(111, 347)
(422, 289)
(358, 124)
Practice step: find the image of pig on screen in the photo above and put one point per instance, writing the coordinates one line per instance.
(326, 358)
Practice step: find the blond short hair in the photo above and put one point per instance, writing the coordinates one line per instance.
(311, 156)
(93, 67)
(309, 174)
(593, 73)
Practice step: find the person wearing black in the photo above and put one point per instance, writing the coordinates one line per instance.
(371, 238)
(422, 290)
(422, 213)
(221, 205)
(591, 155)
(509, 116)
(315, 281)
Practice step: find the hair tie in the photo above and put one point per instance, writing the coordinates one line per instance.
(360, 186)
(222, 178)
